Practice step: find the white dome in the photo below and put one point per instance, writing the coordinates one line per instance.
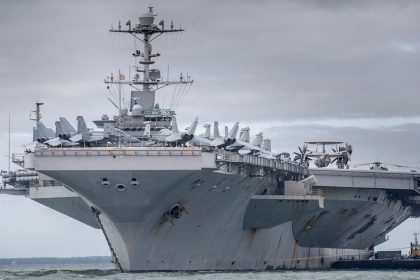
(136, 110)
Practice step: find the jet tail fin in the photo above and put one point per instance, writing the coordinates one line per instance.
(258, 141)
(193, 127)
(67, 127)
(216, 133)
(58, 129)
(207, 133)
(174, 125)
(42, 132)
(245, 135)
(234, 131)
(266, 145)
(35, 135)
(81, 125)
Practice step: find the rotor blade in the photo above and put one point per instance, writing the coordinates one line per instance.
(362, 164)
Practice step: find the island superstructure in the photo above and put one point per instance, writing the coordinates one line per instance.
(173, 200)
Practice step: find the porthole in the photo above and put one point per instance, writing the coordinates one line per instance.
(134, 183)
(105, 183)
(120, 187)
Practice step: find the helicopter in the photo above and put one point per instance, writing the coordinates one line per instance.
(379, 166)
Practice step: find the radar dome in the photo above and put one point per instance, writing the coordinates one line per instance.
(136, 110)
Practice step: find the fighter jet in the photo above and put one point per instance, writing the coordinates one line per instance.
(243, 147)
(41, 133)
(84, 134)
(109, 134)
(66, 129)
(229, 139)
(116, 135)
(63, 132)
(176, 137)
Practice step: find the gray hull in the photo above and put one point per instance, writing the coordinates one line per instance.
(210, 233)
(225, 221)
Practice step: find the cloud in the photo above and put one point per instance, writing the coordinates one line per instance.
(405, 47)
(297, 70)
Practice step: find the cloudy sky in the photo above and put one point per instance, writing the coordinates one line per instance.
(296, 70)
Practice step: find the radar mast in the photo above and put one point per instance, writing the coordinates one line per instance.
(145, 32)
(142, 109)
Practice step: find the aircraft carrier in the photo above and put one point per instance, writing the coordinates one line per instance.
(173, 200)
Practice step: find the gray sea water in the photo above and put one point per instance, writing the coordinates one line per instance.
(106, 271)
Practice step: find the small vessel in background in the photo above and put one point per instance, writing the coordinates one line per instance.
(415, 247)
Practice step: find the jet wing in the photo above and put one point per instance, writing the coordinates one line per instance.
(201, 141)
(173, 137)
(67, 127)
(118, 133)
(95, 137)
(244, 151)
(217, 142)
(248, 148)
(76, 137)
(67, 143)
(162, 135)
(55, 142)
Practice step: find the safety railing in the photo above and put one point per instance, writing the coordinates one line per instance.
(223, 156)
(114, 151)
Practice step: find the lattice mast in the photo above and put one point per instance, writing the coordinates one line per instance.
(145, 32)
